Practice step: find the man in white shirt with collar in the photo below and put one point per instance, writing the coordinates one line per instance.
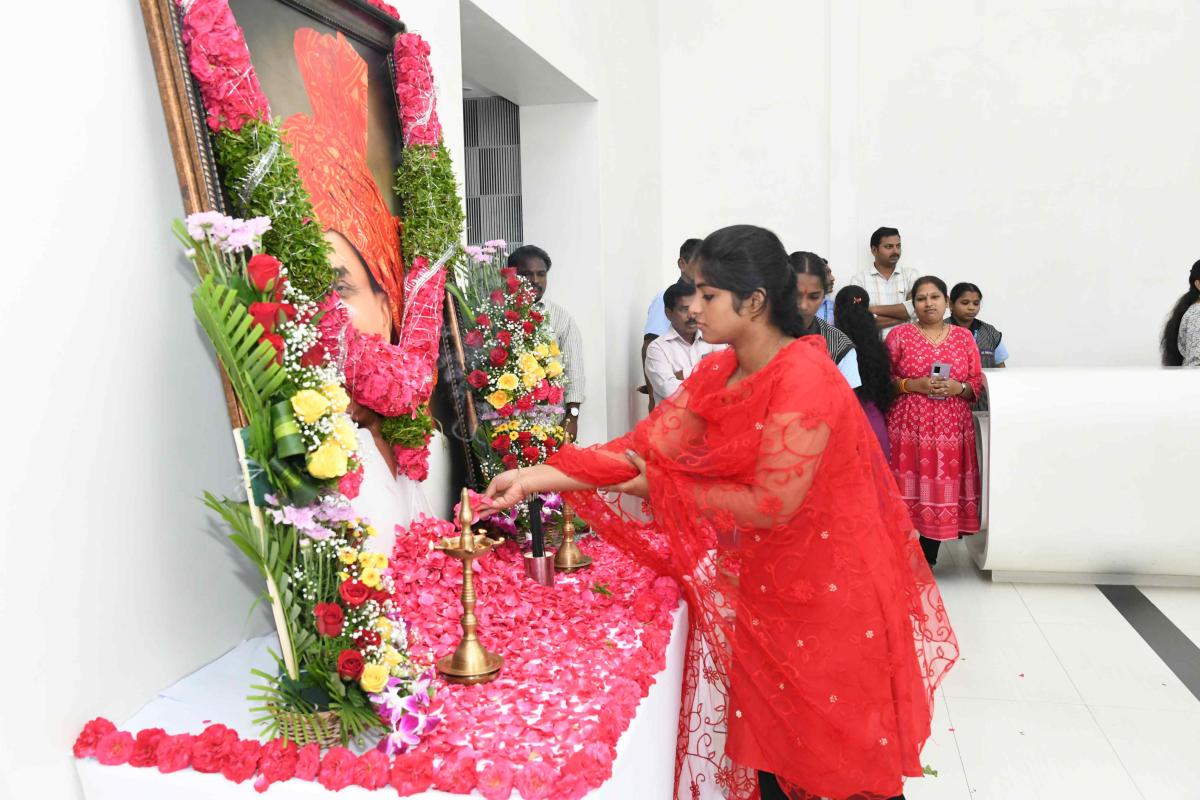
(886, 282)
(671, 357)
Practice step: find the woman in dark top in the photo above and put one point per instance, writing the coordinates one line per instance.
(851, 317)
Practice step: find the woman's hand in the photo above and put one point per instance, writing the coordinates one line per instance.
(637, 486)
(919, 385)
(506, 490)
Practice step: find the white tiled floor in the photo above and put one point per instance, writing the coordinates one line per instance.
(1057, 697)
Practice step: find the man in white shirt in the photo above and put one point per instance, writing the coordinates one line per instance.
(886, 282)
(671, 357)
(533, 264)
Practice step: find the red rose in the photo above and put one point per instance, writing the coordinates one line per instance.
(510, 461)
(525, 403)
(174, 752)
(355, 593)
(500, 443)
(337, 768)
(550, 446)
(531, 453)
(365, 639)
(506, 411)
(93, 732)
(276, 341)
(508, 273)
(555, 395)
(276, 763)
(412, 772)
(535, 316)
(497, 297)
(314, 356)
(498, 356)
(308, 762)
(114, 748)
(511, 316)
(484, 321)
(145, 747)
(528, 327)
(512, 284)
(212, 747)
(379, 595)
(330, 619)
(242, 761)
(263, 271)
(474, 338)
(350, 665)
(267, 314)
(524, 437)
(478, 379)
(505, 338)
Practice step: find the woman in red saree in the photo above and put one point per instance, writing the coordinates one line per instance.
(773, 507)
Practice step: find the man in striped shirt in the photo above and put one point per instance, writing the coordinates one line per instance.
(533, 264)
(887, 283)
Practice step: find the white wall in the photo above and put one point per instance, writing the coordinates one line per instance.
(112, 578)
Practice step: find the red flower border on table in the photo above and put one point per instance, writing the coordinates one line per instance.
(583, 654)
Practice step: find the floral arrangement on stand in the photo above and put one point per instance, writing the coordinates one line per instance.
(331, 600)
(515, 366)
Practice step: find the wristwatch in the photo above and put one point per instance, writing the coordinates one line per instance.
(573, 411)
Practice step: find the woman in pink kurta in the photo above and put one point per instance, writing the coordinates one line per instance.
(929, 425)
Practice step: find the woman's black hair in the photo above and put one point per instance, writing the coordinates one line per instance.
(851, 317)
(924, 279)
(962, 288)
(803, 262)
(745, 258)
(1171, 357)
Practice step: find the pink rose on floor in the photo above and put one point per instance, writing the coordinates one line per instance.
(495, 781)
(242, 761)
(412, 772)
(645, 607)
(308, 762)
(212, 747)
(276, 762)
(337, 769)
(93, 732)
(174, 752)
(145, 747)
(114, 748)
(536, 780)
(371, 771)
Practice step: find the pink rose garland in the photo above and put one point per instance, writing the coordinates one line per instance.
(415, 93)
(220, 61)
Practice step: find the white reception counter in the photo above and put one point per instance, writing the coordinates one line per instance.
(1092, 475)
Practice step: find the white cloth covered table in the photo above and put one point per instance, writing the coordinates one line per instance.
(644, 767)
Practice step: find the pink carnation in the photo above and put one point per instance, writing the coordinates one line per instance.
(115, 748)
(242, 761)
(212, 747)
(276, 763)
(337, 769)
(412, 772)
(174, 752)
(495, 781)
(308, 762)
(371, 771)
(536, 780)
(145, 747)
(93, 732)
(456, 776)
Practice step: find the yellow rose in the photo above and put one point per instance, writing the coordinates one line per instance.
(392, 657)
(530, 379)
(370, 577)
(554, 368)
(376, 561)
(527, 362)
(328, 460)
(370, 529)
(507, 382)
(384, 627)
(498, 399)
(345, 432)
(339, 401)
(374, 677)
(347, 556)
(343, 576)
(309, 405)
(542, 351)
(554, 351)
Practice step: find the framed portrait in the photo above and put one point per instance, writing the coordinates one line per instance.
(327, 69)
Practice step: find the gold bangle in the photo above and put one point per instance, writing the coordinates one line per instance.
(904, 386)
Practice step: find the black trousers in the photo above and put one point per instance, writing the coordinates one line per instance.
(768, 787)
(930, 548)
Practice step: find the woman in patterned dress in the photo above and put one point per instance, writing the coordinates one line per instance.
(930, 426)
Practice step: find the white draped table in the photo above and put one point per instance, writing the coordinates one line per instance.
(644, 766)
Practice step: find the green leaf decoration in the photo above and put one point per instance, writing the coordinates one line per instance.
(406, 431)
(432, 211)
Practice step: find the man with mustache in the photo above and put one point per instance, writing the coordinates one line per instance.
(671, 357)
(886, 282)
